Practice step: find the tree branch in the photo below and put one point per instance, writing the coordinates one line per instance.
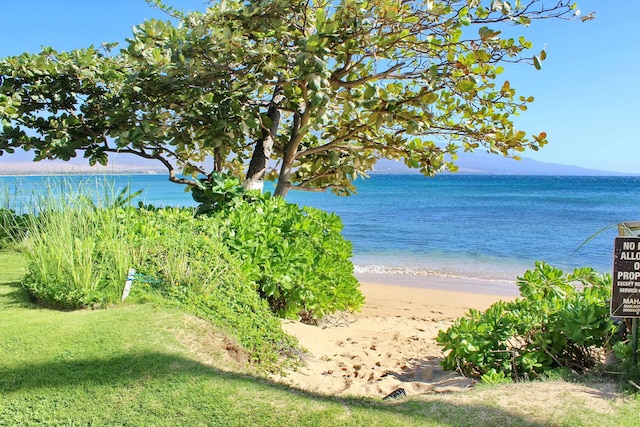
(332, 144)
(358, 82)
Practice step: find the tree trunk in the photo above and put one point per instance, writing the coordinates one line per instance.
(284, 179)
(254, 179)
(217, 160)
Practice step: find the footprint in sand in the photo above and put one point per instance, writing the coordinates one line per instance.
(356, 371)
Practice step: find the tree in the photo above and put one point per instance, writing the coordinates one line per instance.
(58, 104)
(323, 89)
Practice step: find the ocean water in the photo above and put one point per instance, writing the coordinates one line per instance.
(463, 226)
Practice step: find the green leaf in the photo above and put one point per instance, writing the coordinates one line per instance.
(320, 18)
(315, 82)
(370, 92)
(252, 123)
(430, 98)
(433, 72)
(466, 85)
(536, 62)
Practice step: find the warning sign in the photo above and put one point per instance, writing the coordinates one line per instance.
(625, 298)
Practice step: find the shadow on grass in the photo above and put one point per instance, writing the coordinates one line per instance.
(13, 295)
(168, 377)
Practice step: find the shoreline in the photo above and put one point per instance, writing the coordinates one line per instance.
(468, 285)
(56, 168)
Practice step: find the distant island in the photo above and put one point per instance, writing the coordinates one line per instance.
(65, 168)
(469, 163)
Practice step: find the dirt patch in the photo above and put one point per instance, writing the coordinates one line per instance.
(211, 346)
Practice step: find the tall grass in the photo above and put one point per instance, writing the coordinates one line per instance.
(82, 240)
(78, 247)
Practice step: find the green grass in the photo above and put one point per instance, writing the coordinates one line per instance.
(141, 364)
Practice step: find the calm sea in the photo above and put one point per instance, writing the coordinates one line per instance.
(472, 226)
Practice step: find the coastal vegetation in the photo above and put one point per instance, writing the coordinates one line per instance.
(561, 321)
(249, 258)
(325, 89)
(239, 268)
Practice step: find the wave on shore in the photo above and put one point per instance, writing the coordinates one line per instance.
(407, 271)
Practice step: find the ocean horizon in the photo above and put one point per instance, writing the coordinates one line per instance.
(414, 228)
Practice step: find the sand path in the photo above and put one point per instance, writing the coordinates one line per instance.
(391, 343)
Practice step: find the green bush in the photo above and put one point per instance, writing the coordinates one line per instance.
(562, 320)
(218, 265)
(13, 227)
(297, 257)
(217, 192)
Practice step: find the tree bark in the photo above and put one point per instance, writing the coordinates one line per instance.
(217, 160)
(254, 179)
(284, 179)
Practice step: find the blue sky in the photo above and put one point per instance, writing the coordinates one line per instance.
(587, 94)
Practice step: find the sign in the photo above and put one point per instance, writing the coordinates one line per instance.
(625, 298)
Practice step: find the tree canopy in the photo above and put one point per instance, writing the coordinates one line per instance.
(308, 93)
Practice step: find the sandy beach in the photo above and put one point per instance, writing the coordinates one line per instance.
(391, 343)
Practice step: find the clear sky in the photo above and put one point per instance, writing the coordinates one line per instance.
(587, 93)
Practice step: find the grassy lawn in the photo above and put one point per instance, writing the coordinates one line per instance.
(146, 365)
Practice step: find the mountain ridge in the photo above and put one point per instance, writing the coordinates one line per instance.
(480, 163)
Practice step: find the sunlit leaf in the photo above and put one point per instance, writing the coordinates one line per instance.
(536, 62)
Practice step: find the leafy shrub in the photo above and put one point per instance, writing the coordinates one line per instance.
(624, 363)
(561, 321)
(297, 257)
(217, 265)
(13, 227)
(217, 192)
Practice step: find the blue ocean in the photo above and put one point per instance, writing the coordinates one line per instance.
(463, 226)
